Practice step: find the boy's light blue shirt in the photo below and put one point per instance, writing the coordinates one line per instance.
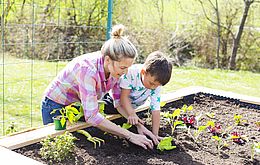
(139, 94)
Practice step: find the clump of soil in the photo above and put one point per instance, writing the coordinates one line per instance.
(204, 151)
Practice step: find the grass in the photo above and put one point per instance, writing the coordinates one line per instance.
(24, 81)
(241, 82)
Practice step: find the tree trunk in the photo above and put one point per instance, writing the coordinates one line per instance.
(219, 35)
(236, 41)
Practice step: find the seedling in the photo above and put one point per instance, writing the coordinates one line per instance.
(179, 118)
(166, 144)
(72, 112)
(126, 126)
(91, 138)
(255, 149)
(257, 125)
(101, 105)
(188, 120)
(238, 120)
(11, 129)
(215, 129)
(197, 132)
(220, 143)
(238, 138)
(58, 148)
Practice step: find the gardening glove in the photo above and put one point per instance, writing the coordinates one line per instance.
(134, 119)
(140, 140)
(144, 131)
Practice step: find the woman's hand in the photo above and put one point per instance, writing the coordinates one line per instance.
(144, 131)
(140, 140)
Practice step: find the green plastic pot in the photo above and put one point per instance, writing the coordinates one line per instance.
(57, 123)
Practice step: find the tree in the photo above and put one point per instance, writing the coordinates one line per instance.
(236, 41)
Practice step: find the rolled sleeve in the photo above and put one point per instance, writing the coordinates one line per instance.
(88, 97)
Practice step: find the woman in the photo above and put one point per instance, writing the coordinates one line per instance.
(88, 78)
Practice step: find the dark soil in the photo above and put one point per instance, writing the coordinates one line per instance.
(117, 151)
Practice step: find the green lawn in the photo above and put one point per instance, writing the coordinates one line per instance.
(241, 82)
(24, 81)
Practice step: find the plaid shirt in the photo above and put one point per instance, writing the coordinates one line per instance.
(83, 80)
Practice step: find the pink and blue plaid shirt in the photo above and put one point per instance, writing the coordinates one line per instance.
(83, 80)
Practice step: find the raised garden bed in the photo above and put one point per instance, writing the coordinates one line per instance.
(203, 151)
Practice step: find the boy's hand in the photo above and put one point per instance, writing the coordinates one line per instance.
(134, 119)
(144, 131)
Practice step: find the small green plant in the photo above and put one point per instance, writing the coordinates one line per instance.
(126, 125)
(91, 138)
(195, 135)
(101, 105)
(220, 143)
(166, 144)
(72, 112)
(58, 148)
(11, 129)
(179, 118)
(255, 149)
(238, 120)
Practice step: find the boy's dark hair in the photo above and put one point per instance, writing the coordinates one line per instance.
(158, 66)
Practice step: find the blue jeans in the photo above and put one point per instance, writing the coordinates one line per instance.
(47, 106)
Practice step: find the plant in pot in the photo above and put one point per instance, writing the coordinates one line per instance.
(72, 113)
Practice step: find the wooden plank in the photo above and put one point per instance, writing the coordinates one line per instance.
(36, 135)
(10, 157)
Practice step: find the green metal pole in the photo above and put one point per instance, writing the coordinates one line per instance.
(109, 18)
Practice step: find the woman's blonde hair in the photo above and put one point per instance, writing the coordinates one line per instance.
(118, 46)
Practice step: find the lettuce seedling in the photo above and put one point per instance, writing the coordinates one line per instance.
(126, 125)
(166, 144)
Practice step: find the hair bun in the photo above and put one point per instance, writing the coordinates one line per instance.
(117, 31)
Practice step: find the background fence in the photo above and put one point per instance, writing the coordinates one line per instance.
(37, 38)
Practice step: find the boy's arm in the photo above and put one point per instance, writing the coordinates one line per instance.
(155, 108)
(155, 122)
(127, 110)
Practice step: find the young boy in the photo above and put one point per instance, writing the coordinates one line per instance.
(141, 82)
(144, 81)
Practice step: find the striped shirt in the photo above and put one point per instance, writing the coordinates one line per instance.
(83, 80)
